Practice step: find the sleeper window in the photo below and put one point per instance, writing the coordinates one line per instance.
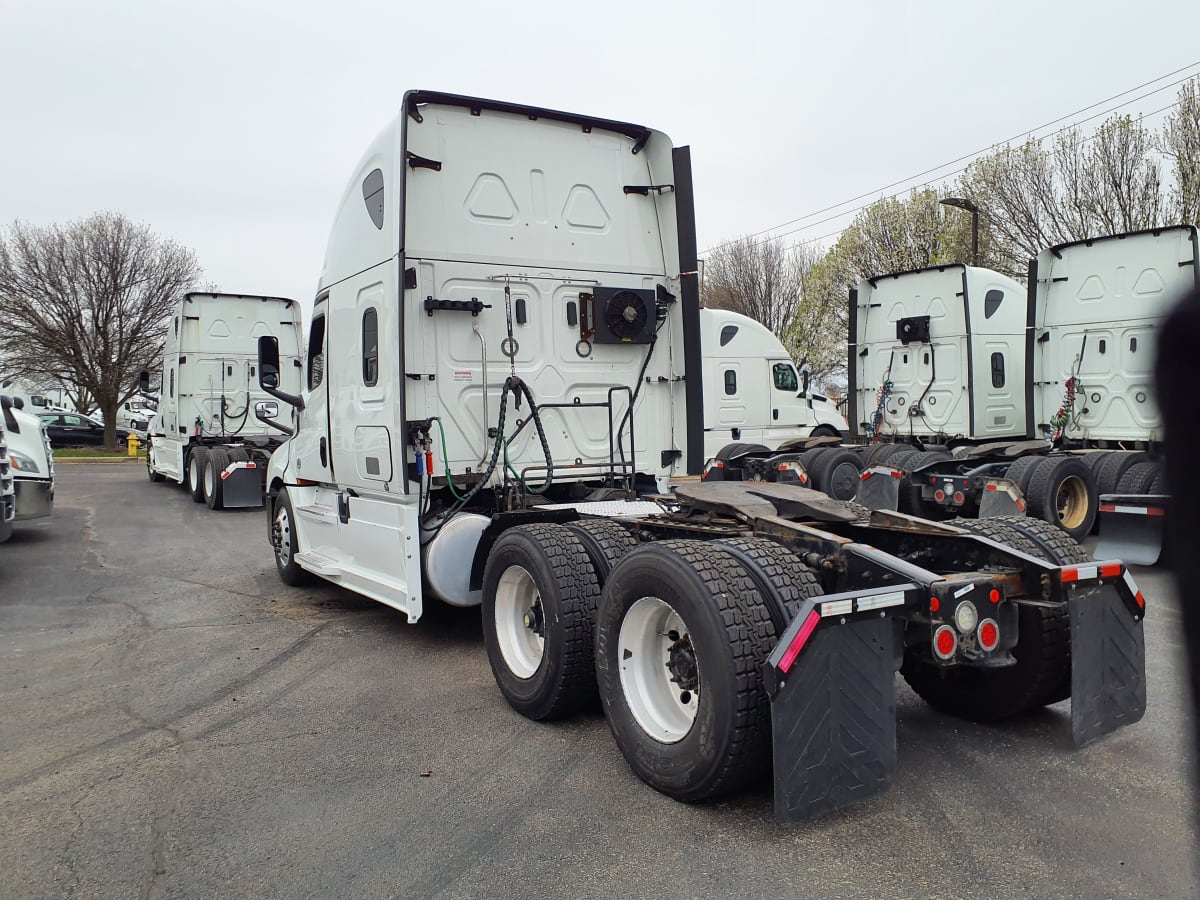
(370, 347)
(730, 382)
(316, 353)
(997, 370)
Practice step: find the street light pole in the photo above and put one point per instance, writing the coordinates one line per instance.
(969, 206)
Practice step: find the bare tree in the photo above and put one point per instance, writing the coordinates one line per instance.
(1180, 143)
(756, 278)
(88, 301)
(1032, 197)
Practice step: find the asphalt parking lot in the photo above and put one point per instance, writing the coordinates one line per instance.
(174, 721)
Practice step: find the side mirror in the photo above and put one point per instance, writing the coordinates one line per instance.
(268, 361)
(144, 382)
(268, 376)
(18, 403)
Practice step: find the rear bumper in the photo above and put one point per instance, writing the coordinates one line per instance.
(35, 499)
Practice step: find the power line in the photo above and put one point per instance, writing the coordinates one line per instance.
(968, 156)
(963, 169)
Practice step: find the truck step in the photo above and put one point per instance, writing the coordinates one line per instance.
(317, 511)
(319, 563)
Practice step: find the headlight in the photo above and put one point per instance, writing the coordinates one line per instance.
(965, 617)
(23, 463)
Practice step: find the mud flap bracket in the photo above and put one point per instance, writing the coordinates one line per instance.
(833, 712)
(880, 488)
(1108, 663)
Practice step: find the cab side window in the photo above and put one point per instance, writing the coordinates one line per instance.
(785, 377)
(316, 353)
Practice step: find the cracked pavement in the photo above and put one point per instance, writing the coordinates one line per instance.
(175, 722)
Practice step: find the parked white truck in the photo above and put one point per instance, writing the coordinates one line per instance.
(753, 393)
(206, 432)
(1048, 387)
(505, 344)
(8, 499)
(30, 459)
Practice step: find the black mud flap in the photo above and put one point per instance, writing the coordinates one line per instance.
(1131, 528)
(833, 714)
(880, 488)
(243, 486)
(1108, 663)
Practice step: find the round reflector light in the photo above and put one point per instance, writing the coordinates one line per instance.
(994, 596)
(939, 496)
(959, 498)
(989, 634)
(966, 617)
(945, 642)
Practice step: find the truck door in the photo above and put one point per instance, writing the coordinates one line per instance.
(790, 413)
(310, 445)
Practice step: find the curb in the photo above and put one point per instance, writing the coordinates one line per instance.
(76, 460)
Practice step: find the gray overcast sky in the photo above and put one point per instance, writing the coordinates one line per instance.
(232, 126)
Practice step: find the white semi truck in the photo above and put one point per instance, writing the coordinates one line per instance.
(214, 427)
(1049, 387)
(31, 461)
(753, 394)
(8, 499)
(505, 348)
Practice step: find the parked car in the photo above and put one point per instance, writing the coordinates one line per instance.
(75, 430)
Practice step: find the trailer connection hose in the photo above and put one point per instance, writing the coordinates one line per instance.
(446, 458)
(637, 389)
(518, 389)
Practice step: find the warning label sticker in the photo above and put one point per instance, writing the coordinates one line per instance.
(464, 375)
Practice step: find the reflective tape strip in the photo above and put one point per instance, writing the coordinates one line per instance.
(837, 608)
(896, 598)
(798, 642)
(964, 590)
(1132, 510)
(1133, 589)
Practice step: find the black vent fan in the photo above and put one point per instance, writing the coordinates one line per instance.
(624, 315)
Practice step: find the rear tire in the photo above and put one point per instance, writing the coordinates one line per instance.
(539, 611)
(1138, 479)
(1063, 492)
(195, 473)
(214, 465)
(701, 726)
(1113, 469)
(1020, 472)
(783, 581)
(605, 541)
(734, 450)
(837, 473)
(286, 544)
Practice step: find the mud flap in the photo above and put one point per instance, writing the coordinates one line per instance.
(1131, 528)
(833, 716)
(1108, 663)
(880, 488)
(1000, 497)
(242, 486)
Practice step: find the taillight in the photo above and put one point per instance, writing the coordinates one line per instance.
(988, 635)
(945, 642)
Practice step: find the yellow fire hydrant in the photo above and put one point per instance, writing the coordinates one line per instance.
(132, 443)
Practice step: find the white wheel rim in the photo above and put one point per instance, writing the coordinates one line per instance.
(283, 537)
(208, 480)
(664, 707)
(520, 622)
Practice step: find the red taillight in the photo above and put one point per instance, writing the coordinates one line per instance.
(939, 496)
(934, 605)
(994, 596)
(798, 642)
(945, 642)
(988, 634)
(959, 498)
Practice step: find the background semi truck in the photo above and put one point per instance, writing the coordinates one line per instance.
(985, 397)
(31, 461)
(8, 504)
(753, 393)
(206, 432)
(505, 345)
